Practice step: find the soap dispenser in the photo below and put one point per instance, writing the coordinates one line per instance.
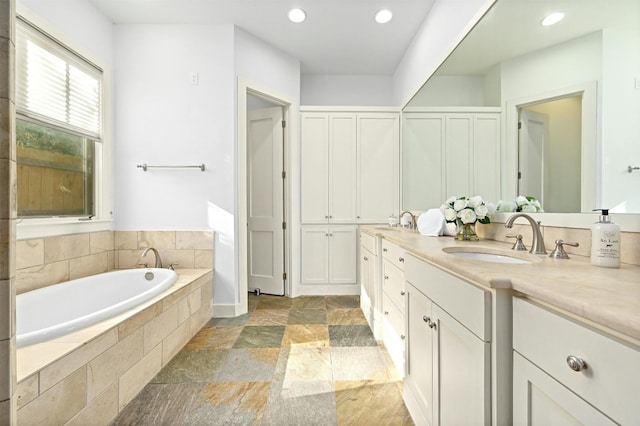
(605, 242)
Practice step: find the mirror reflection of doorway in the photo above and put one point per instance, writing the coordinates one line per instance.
(550, 154)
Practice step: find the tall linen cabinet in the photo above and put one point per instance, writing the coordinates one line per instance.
(349, 166)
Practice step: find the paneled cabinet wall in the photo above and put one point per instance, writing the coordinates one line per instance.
(349, 165)
(452, 153)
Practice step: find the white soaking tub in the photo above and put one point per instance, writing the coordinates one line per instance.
(59, 309)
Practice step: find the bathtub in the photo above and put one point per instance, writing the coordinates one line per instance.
(56, 310)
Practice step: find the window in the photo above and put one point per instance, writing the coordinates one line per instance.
(58, 127)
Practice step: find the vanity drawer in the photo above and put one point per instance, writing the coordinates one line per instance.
(393, 283)
(611, 380)
(467, 303)
(393, 253)
(369, 242)
(393, 317)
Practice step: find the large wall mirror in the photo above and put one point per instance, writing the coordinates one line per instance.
(574, 87)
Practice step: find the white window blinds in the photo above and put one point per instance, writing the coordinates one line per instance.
(55, 85)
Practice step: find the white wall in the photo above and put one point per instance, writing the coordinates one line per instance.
(163, 119)
(446, 25)
(443, 91)
(343, 90)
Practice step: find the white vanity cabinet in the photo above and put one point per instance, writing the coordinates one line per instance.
(454, 151)
(565, 371)
(368, 278)
(329, 254)
(393, 303)
(448, 377)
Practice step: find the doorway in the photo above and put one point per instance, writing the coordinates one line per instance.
(550, 153)
(266, 226)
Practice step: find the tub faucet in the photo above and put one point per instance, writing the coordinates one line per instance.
(155, 252)
(537, 245)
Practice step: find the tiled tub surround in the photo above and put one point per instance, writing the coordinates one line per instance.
(44, 261)
(88, 376)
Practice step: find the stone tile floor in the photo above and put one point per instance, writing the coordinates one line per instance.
(306, 361)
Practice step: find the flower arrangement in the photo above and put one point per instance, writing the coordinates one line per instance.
(522, 203)
(467, 210)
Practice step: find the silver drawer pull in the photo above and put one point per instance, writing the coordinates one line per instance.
(402, 336)
(575, 363)
(384, 250)
(386, 312)
(432, 325)
(366, 258)
(401, 259)
(386, 277)
(402, 293)
(426, 319)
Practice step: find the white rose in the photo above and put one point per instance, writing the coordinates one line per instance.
(482, 211)
(451, 200)
(460, 204)
(475, 201)
(529, 208)
(491, 208)
(449, 214)
(536, 203)
(521, 200)
(508, 206)
(467, 216)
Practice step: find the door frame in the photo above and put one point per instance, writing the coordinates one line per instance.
(245, 87)
(591, 140)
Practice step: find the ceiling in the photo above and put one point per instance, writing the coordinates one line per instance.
(338, 36)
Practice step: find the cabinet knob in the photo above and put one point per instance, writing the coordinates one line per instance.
(401, 259)
(386, 277)
(432, 325)
(366, 258)
(402, 293)
(402, 336)
(384, 250)
(330, 217)
(386, 312)
(575, 363)
(357, 217)
(426, 319)
(326, 217)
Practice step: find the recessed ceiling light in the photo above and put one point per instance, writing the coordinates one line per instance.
(383, 16)
(554, 18)
(297, 15)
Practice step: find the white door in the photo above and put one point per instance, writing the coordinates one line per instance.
(531, 140)
(315, 255)
(265, 201)
(343, 259)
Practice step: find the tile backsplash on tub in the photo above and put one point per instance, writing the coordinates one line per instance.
(45, 261)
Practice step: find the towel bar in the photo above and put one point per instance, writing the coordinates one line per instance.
(146, 166)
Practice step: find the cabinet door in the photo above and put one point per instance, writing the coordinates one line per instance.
(463, 373)
(459, 154)
(315, 255)
(314, 168)
(486, 156)
(367, 275)
(422, 160)
(378, 166)
(342, 170)
(343, 259)
(538, 399)
(420, 362)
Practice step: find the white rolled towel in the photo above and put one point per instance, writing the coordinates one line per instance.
(431, 223)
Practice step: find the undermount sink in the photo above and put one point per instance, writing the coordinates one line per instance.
(484, 256)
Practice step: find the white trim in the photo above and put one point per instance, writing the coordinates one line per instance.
(354, 109)
(474, 109)
(103, 220)
(244, 86)
(227, 310)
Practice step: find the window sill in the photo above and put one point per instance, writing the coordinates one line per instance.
(39, 228)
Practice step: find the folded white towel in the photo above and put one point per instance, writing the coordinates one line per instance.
(431, 223)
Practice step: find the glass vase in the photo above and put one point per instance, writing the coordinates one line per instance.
(466, 231)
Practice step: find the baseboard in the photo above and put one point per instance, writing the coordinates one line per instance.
(326, 290)
(226, 310)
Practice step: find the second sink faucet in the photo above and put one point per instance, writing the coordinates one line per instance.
(414, 225)
(155, 252)
(537, 245)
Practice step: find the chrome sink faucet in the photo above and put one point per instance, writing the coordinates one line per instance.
(537, 245)
(414, 225)
(155, 252)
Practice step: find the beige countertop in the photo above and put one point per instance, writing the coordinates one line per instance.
(609, 297)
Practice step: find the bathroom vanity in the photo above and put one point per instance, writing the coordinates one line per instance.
(507, 343)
